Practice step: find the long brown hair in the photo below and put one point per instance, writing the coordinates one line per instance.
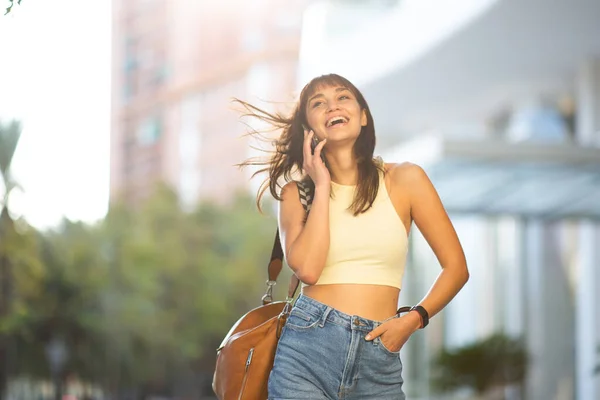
(288, 156)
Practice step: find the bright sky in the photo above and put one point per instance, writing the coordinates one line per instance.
(55, 78)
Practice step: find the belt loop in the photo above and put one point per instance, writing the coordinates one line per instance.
(324, 317)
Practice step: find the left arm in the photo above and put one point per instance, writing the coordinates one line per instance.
(432, 220)
(430, 217)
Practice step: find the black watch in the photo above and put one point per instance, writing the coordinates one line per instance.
(423, 313)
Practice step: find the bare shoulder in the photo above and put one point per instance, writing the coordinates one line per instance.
(290, 205)
(291, 215)
(406, 174)
(289, 190)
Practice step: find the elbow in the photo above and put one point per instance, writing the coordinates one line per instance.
(464, 275)
(308, 278)
(459, 273)
(306, 273)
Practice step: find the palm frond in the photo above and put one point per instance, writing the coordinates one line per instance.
(9, 138)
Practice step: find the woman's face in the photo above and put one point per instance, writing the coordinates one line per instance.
(334, 113)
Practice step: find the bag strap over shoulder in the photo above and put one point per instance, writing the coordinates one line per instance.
(276, 262)
(306, 195)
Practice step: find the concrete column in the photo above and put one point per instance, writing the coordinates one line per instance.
(588, 312)
(511, 279)
(186, 147)
(469, 316)
(414, 353)
(588, 104)
(549, 319)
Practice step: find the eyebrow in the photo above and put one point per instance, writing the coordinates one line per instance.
(338, 89)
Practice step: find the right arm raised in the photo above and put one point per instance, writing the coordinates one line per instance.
(305, 244)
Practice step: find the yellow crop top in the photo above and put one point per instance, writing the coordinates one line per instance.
(369, 248)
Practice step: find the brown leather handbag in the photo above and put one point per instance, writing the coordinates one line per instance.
(245, 357)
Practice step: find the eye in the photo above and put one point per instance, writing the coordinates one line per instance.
(344, 97)
(316, 104)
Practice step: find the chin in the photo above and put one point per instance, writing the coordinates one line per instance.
(341, 135)
(340, 139)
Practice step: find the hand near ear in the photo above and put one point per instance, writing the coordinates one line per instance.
(313, 164)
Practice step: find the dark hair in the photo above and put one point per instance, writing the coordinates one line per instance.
(288, 155)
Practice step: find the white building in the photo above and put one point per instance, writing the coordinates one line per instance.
(499, 100)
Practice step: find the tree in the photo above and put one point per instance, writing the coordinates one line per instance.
(482, 366)
(64, 307)
(143, 298)
(175, 282)
(9, 138)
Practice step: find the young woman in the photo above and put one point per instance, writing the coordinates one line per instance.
(343, 337)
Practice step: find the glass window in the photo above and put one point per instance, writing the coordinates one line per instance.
(149, 131)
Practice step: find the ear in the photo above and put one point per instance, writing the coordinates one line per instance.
(363, 117)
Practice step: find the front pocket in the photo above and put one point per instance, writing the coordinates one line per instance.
(248, 362)
(380, 344)
(299, 319)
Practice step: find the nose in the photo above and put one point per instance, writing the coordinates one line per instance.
(332, 106)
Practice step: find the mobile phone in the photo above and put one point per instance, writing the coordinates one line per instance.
(314, 142)
(313, 145)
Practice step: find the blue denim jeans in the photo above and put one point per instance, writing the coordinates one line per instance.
(323, 354)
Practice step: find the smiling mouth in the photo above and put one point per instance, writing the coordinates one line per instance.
(336, 121)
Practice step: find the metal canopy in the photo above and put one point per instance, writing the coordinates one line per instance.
(498, 178)
(513, 51)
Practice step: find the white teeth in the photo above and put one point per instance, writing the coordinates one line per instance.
(334, 119)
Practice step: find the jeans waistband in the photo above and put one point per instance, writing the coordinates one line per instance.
(330, 314)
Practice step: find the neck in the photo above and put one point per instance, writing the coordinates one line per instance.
(343, 167)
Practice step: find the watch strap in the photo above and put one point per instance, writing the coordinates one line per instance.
(423, 313)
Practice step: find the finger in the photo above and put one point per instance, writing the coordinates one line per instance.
(375, 333)
(319, 148)
(307, 138)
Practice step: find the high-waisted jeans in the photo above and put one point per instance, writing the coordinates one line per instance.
(323, 354)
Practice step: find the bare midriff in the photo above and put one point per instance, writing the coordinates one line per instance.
(374, 302)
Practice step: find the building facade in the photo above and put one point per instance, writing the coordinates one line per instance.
(176, 66)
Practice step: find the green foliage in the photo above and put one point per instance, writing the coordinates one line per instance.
(9, 8)
(141, 299)
(11, 242)
(145, 296)
(495, 361)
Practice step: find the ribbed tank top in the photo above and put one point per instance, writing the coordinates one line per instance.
(369, 248)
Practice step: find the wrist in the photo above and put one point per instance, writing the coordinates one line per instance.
(323, 188)
(423, 314)
(416, 319)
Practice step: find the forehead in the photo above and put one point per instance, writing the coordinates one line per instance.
(320, 89)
